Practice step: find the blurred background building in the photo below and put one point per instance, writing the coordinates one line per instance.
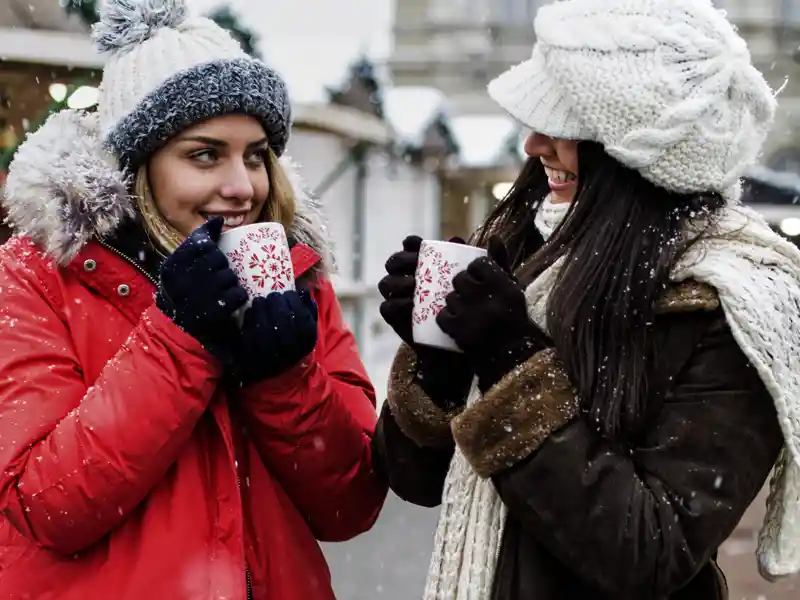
(395, 134)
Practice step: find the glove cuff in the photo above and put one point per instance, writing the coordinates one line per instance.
(492, 366)
(444, 376)
(165, 304)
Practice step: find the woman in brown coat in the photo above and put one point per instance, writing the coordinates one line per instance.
(628, 343)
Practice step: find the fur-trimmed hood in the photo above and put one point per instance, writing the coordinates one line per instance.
(63, 189)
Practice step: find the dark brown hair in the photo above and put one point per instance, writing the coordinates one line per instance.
(621, 237)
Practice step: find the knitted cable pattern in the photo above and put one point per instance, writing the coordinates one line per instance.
(694, 97)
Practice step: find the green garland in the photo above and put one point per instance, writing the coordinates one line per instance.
(87, 10)
(225, 18)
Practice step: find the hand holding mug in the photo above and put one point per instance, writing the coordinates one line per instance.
(199, 291)
(444, 376)
(278, 331)
(487, 316)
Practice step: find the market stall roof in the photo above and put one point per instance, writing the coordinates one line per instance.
(411, 110)
(341, 120)
(48, 47)
(42, 32)
(39, 14)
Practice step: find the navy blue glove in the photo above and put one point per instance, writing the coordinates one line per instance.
(199, 291)
(487, 316)
(277, 333)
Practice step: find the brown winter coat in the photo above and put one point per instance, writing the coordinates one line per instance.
(586, 520)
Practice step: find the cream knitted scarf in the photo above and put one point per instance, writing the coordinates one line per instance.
(757, 276)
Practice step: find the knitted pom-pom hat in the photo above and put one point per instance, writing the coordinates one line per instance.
(667, 86)
(167, 71)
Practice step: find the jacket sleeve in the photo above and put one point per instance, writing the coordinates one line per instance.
(638, 522)
(313, 427)
(413, 442)
(75, 460)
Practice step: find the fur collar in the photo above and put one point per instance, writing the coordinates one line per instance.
(63, 190)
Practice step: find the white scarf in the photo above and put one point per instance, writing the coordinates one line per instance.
(757, 276)
(550, 215)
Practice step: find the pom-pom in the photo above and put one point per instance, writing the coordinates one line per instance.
(124, 24)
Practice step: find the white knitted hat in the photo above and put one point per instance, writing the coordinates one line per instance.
(667, 86)
(167, 71)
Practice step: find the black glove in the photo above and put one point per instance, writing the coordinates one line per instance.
(199, 291)
(277, 333)
(487, 316)
(444, 376)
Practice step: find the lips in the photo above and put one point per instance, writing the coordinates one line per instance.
(560, 180)
(230, 220)
(559, 176)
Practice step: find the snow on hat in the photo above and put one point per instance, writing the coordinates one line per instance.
(667, 86)
(167, 71)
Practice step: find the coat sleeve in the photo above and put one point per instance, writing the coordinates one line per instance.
(637, 522)
(313, 427)
(75, 460)
(413, 442)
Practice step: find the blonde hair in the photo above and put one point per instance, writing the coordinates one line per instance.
(279, 208)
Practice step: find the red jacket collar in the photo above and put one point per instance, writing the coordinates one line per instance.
(304, 258)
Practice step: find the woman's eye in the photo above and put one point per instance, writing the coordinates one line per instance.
(257, 159)
(204, 156)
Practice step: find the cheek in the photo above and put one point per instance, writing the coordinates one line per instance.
(261, 189)
(568, 155)
(182, 198)
(176, 187)
(179, 203)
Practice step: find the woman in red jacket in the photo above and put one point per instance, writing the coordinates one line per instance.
(153, 449)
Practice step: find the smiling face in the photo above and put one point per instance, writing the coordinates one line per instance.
(560, 160)
(218, 167)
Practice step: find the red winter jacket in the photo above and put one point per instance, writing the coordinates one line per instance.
(127, 473)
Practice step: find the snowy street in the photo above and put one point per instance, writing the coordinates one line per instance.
(389, 562)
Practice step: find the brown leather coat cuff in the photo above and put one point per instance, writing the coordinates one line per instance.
(414, 412)
(687, 296)
(517, 415)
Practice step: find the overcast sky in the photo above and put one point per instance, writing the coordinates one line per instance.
(311, 42)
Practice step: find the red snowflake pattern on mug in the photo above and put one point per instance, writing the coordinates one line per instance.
(236, 260)
(262, 261)
(271, 268)
(434, 281)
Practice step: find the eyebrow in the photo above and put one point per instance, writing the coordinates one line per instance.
(220, 143)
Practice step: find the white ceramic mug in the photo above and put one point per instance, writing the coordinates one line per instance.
(259, 255)
(439, 262)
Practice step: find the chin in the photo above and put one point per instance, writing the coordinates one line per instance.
(562, 198)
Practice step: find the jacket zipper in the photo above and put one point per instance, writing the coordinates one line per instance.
(246, 569)
(127, 259)
(150, 278)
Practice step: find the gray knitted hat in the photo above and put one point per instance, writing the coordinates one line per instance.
(167, 71)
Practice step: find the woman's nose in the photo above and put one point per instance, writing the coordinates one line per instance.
(538, 145)
(237, 185)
